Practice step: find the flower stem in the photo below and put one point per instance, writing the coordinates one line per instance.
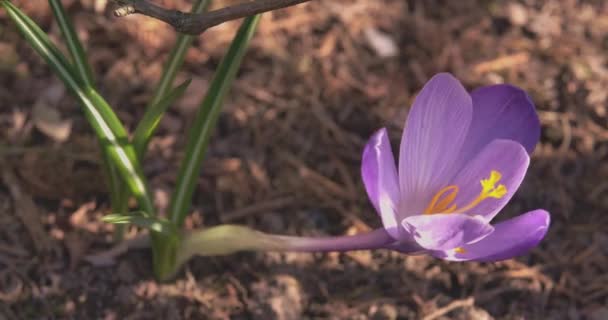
(228, 239)
(372, 240)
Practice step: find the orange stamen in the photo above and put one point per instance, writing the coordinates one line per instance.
(441, 202)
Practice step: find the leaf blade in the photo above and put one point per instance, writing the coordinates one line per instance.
(81, 64)
(206, 119)
(170, 69)
(100, 115)
(151, 119)
(142, 220)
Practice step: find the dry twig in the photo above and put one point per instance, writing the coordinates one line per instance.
(191, 23)
(456, 304)
(108, 257)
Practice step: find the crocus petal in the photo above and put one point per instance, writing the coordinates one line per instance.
(434, 133)
(501, 112)
(507, 157)
(446, 231)
(380, 179)
(510, 238)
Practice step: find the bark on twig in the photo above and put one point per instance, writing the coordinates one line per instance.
(190, 23)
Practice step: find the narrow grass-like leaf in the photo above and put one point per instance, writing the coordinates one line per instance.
(33, 31)
(205, 121)
(83, 71)
(104, 121)
(164, 247)
(176, 59)
(111, 131)
(113, 177)
(81, 65)
(150, 121)
(143, 220)
(158, 102)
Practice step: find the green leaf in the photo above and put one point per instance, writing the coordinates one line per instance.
(152, 117)
(33, 33)
(142, 220)
(172, 66)
(102, 118)
(83, 71)
(165, 247)
(205, 121)
(176, 57)
(155, 109)
(81, 65)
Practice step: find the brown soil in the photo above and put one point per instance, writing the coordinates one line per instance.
(285, 159)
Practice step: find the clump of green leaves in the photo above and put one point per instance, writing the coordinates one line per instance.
(122, 155)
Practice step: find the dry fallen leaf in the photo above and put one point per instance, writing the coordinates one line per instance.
(383, 44)
(9, 58)
(27, 211)
(48, 121)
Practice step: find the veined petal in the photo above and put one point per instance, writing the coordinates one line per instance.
(501, 112)
(380, 179)
(434, 133)
(510, 238)
(507, 157)
(446, 231)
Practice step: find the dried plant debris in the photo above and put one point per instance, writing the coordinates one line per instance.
(319, 79)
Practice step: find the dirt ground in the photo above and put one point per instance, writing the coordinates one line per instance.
(318, 79)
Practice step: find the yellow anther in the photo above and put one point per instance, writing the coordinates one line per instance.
(445, 197)
(489, 184)
(460, 250)
(498, 192)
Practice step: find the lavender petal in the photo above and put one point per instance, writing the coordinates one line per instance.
(510, 238)
(446, 231)
(434, 133)
(380, 179)
(505, 156)
(501, 112)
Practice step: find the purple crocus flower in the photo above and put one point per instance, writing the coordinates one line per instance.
(462, 157)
